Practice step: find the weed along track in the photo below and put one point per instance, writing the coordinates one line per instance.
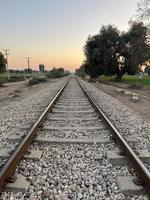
(74, 152)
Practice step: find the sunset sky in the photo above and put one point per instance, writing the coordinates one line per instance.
(54, 31)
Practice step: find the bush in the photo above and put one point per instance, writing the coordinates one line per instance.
(56, 73)
(35, 81)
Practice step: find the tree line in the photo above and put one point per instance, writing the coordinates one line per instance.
(112, 52)
(54, 73)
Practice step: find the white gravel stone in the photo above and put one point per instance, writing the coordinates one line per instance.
(79, 171)
(127, 122)
(24, 112)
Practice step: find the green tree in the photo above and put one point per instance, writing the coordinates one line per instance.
(100, 52)
(134, 49)
(81, 71)
(56, 73)
(113, 53)
(60, 70)
(2, 63)
(139, 49)
(28, 70)
(41, 68)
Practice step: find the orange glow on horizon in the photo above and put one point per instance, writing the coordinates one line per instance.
(69, 61)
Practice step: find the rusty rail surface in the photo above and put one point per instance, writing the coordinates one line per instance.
(141, 170)
(10, 165)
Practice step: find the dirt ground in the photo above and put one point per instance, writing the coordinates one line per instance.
(142, 106)
(16, 91)
(10, 88)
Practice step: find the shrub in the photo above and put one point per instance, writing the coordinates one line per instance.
(56, 73)
(35, 81)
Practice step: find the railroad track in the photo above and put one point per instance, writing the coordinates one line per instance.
(73, 145)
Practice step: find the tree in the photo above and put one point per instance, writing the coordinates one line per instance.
(92, 63)
(81, 71)
(113, 53)
(2, 63)
(143, 12)
(66, 72)
(28, 70)
(139, 48)
(60, 70)
(134, 49)
(56, 73)
(100, 52)
(41, 68)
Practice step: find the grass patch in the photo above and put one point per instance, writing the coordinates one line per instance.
(133, 81)
(15, 77)
(136, 80)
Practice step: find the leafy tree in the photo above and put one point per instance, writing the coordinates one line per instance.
(66, 72)
(139, 48)
(143, 12)
(100, 51)
(81, 71)
(60, 70)
(113, 53)
(56, 73)
(2, 63)
(134, 49)
(41, 68)
(93, 61)
(28, 70)
(110, 38)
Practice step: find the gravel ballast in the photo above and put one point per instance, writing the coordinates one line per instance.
(77, 171)
(73, 171)
(125, 120)
(24, 112)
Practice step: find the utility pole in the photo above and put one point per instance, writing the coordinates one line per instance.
(7, 67)
(28, 64)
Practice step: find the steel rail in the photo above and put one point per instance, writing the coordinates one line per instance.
(10, 165)
(141, 170)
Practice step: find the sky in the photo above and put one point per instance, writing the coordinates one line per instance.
(53, 32)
